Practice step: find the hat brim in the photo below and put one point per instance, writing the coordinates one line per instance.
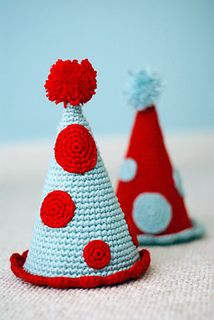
(139, 268)
(197, 231)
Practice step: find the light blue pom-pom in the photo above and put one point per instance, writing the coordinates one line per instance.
(145, 89)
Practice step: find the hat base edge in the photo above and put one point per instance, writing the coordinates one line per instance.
(196, 232)
(134, 272)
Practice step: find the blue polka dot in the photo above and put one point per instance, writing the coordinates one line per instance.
(152, 212)
(178, 182)
(128, 170)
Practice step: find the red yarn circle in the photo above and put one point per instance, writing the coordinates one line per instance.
(57, 209)
(75, 149)
(97, 254)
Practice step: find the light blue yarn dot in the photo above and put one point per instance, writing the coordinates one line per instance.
(152, 212)
(178, 182)
(128, 170)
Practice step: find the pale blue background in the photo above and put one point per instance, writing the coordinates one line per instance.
(174, 37)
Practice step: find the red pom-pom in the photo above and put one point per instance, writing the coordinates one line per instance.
(71, 82)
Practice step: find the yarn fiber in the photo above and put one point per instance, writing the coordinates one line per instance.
(59, 251)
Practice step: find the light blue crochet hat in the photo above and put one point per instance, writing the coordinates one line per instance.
(80, 238)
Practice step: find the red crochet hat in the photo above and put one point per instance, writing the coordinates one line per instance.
(150, 190)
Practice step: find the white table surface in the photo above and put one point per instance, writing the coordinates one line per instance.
(180, 282)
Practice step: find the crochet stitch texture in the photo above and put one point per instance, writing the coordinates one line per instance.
(59, 252)
(149, 190)
(81, 237)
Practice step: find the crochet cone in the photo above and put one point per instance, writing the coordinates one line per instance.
(150, 191)
(81, 238)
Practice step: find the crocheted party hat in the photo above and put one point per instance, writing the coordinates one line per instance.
(149, 190)
(81, 238)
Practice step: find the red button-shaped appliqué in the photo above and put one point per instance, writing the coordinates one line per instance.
(75, 149)
(57, 209)
(97, 254)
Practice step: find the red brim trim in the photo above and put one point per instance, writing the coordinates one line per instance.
(140, 267)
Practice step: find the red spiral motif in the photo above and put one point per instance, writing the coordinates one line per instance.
(97, 254)
(75, 149)
(57, 209)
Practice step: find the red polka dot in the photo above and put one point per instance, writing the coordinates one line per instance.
(57, 209)
(75, 149)
(97, 254)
